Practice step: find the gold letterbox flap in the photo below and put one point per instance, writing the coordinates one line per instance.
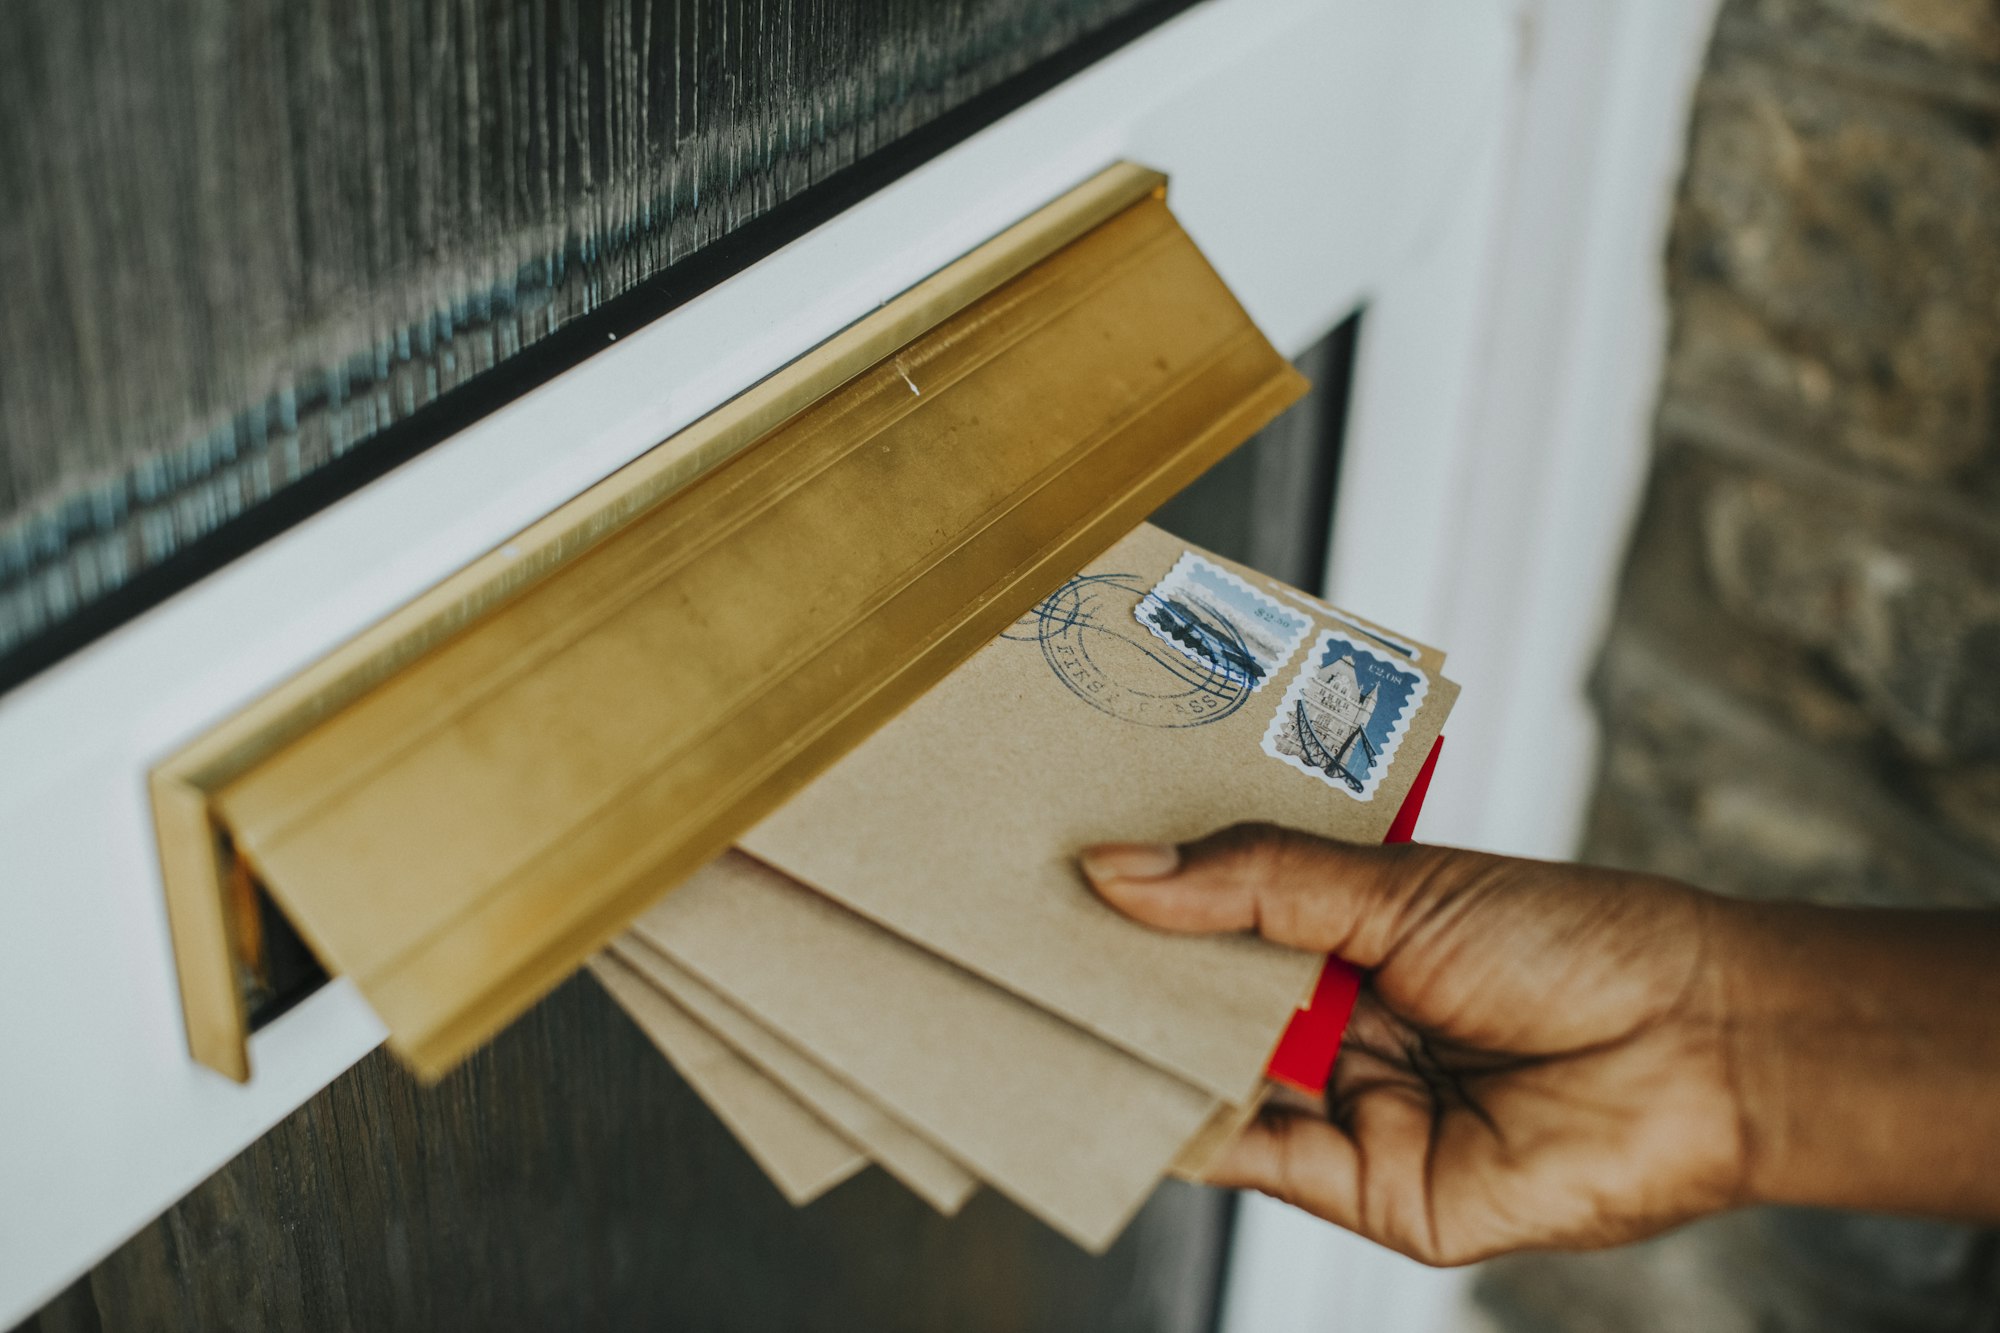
(462, 804)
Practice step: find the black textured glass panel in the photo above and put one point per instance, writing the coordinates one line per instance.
(1270, 504)
(252, 246)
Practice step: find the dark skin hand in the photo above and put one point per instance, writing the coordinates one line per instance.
(1551, 1056)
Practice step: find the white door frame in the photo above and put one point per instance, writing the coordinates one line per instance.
(1497, 447)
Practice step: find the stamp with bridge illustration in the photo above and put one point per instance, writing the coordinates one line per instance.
(1215, 619)
(1344, 715)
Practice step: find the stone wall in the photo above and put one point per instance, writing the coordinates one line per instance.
(1801, 692)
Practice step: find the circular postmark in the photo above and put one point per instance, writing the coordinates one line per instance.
(1095, 645)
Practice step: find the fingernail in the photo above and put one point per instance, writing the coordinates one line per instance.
(1130, 860)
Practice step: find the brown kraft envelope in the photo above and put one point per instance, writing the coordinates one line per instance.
(957, 825)
(801, 1154)
(1073, 1129)
(928, 1172)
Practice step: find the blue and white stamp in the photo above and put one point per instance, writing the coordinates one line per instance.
(1331, 612)
(1218, 621)
(1344, 715)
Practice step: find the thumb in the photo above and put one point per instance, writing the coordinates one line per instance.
(1292, 888)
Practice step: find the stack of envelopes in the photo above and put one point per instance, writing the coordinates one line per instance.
(904, 965)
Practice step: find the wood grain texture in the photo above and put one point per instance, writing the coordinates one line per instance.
(566, 1179)
(244, 238)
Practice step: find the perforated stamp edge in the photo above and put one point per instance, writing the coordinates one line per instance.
(1218, 592)
(1315, 659)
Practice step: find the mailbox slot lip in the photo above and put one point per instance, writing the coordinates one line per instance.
(213, 940)
(208, 935)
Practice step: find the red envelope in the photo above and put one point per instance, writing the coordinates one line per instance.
(1305, 1054)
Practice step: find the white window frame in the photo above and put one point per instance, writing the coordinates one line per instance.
(1497, 447)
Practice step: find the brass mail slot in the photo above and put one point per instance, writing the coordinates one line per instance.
(459, 806)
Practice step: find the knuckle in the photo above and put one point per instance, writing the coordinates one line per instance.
(1263, 864)
(1245, 839)
(1264, 852)
(1280, 873)
(1426, 1250)
(1411, 1240)
(1286, 1185)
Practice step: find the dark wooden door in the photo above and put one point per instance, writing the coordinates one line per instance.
(565, 1178)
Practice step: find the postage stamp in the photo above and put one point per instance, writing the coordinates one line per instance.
(1344, 715)
(1103, 654)
(1215, 619)
(1329, 611)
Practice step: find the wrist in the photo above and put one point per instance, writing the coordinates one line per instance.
(1764, 998)
(1863, 1048)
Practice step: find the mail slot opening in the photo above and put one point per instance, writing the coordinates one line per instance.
(283, 971)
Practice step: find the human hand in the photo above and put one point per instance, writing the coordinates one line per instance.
(1540, 1056)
